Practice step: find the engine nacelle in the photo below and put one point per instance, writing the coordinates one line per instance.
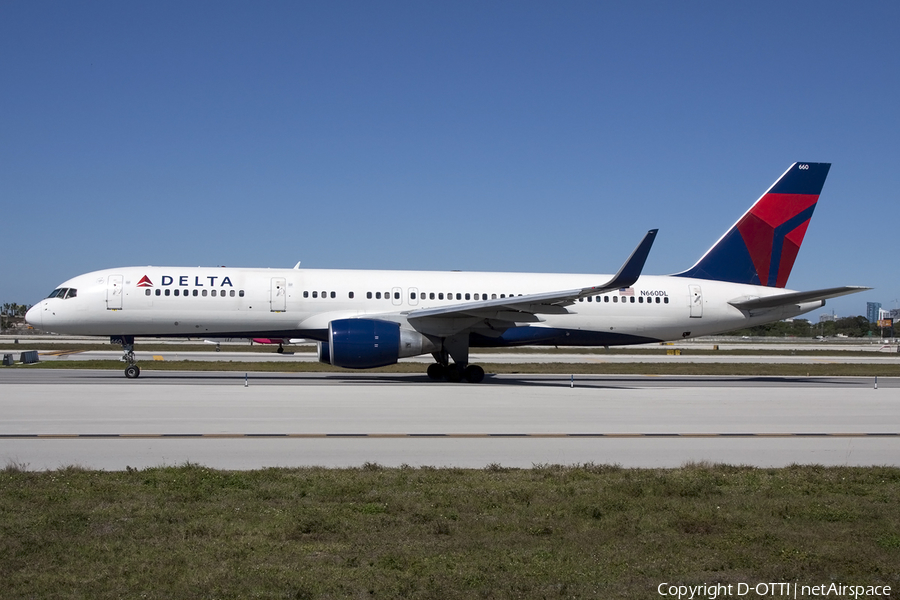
(368, 343)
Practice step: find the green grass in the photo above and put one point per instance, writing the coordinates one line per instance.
(636, 368)
(548, 532)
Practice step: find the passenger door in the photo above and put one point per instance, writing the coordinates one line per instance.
(278, 295)
(114, 288)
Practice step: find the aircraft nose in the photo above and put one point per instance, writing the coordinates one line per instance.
(34, 315)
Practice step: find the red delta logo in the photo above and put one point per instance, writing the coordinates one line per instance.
(773, 231)
(145, 282)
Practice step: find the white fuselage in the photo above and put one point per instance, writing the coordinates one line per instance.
(245, 302)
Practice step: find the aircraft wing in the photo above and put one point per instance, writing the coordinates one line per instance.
(524, 308)
(767, 302)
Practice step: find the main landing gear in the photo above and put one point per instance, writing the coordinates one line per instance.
(132, 371)
(455, 372)
(457, 347)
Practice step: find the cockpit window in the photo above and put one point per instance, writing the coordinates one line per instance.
(63, 293)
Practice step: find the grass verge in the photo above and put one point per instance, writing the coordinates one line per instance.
(586, 531)
(636, 368)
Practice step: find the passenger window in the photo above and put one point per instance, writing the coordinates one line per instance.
(431, 296)
(412, 295)
(657, 299)
(315, 294)
(158, 292)
(334, 294)
(467, 295)
(440, 295)
(203, 293)
(606, 298)
(176, 292)
(212, 293)
(196, 293)
(146, 292)
(378, 295)
(230, 293)
(324, 294)
(632, 299)
(396, 295)
(351, 295)
(666, 300)
(168, 292)
(641, 300)
(241, 293)
(306, 293)
(615, 298)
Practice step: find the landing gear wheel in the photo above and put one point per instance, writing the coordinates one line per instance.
(453, 373)
(280, 349)
(132, 371)
(436, 371)
(474, 374)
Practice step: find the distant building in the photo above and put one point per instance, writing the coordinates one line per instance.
(825, 318)
(894, 314)
(872, 309)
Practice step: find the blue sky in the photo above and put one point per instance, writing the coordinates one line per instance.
(519, 136)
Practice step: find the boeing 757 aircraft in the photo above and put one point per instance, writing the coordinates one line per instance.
(366, 319)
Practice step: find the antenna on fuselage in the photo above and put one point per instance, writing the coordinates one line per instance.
(297, 266)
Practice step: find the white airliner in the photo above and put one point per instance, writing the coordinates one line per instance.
(365, 319)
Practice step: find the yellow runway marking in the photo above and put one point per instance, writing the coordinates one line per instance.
(61, 353)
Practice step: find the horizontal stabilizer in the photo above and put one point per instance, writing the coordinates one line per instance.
(747, 303)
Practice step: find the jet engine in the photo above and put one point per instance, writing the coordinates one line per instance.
(368, 343)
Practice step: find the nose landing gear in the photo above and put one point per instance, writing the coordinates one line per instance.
(132, 371)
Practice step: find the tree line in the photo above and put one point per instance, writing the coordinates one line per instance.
(845, 326)
(12, 314)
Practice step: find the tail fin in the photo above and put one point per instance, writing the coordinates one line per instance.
(761, 247)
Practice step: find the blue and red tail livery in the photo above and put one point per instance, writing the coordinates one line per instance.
(761, 247)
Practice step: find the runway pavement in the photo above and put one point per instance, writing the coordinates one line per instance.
(97, 419)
